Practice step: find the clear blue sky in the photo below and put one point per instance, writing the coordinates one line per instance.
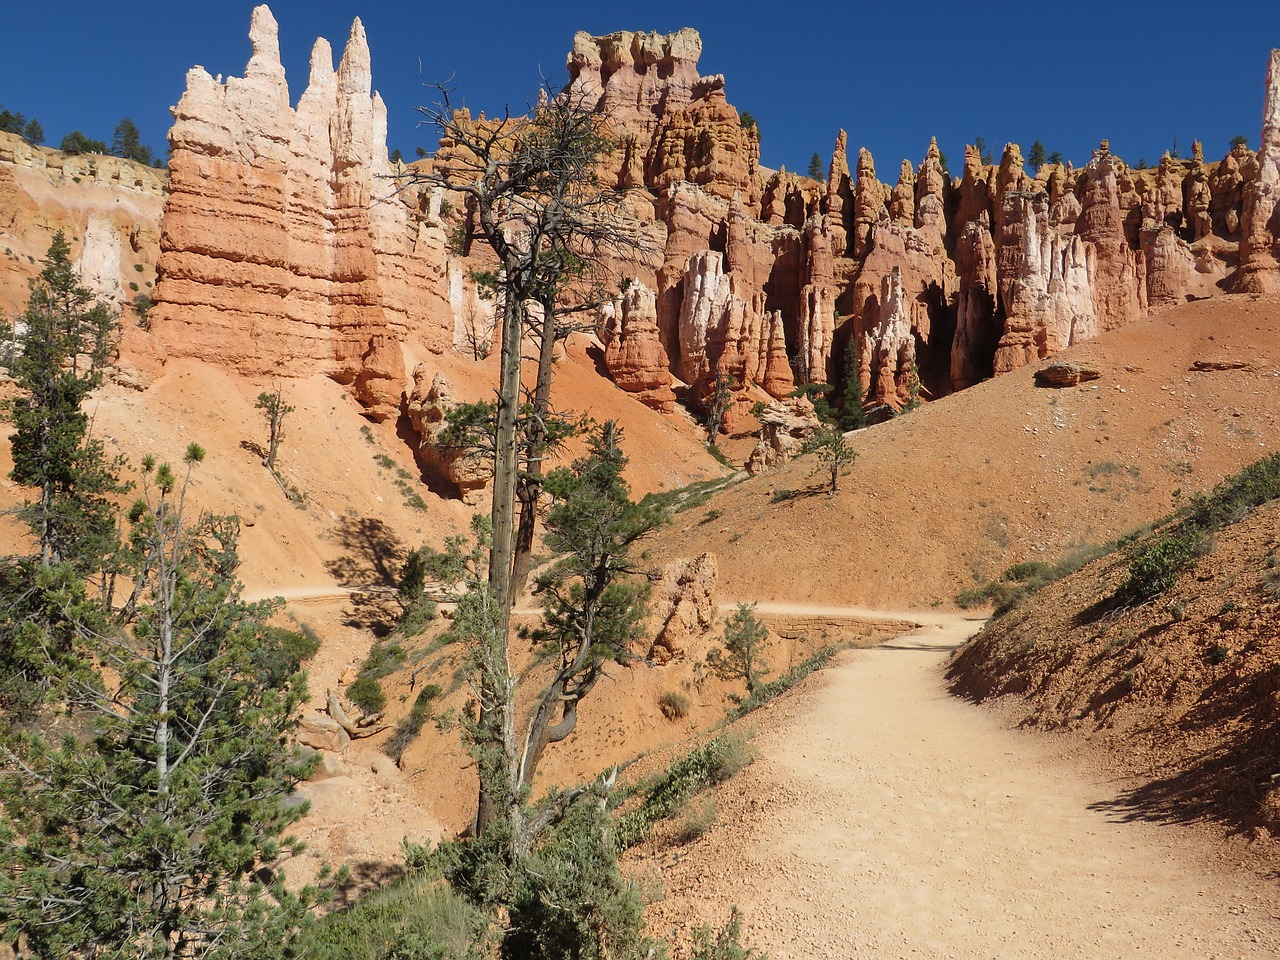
(891, 73)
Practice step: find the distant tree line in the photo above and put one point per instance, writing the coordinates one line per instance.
(126, 142)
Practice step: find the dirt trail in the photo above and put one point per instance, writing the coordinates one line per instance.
(888, 819)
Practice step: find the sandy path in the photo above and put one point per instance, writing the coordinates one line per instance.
(888, 819)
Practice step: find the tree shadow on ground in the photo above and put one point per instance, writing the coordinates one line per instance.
(371, 561)
(362, 878)
(802, 493)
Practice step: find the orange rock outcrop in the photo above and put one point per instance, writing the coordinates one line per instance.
(284, 248)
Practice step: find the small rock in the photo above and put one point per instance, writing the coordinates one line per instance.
(1065, 374)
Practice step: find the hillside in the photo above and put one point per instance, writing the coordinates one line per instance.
(949, 495)
(1181, 694)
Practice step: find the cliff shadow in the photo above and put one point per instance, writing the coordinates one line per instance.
(370, 563)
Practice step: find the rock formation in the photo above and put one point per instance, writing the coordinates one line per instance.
(281, 253)
(634, 356)
(1260, 223)
(686, 602)
(283, 250)
(785, 426)
(428, 405)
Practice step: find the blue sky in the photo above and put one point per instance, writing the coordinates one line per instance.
(892, 74)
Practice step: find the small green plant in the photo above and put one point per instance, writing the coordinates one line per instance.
(384, 461)
(367, 432)
(673, 704)
(367, 694)
(742, 655)
(782, 495)
(139, 267)
(696, 821)
(142, 307)
(723, 944)
(712, 515)
(705, 766)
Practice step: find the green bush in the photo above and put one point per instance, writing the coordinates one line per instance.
(416, 918)
(705, 766)
(723, 944)
(570, 901)
(366, 693)
(1156, 563)
(282, 652)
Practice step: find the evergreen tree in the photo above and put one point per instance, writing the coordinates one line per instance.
(127, 143)
(852, 416)
(397, 156)
(815, 167)
(274, 410)
(57, 351)
(77, 142)
(1036, 159)
(834, 453)
(744, 637)
(155, 830)
(33, 132)
(12, 122)
(1056, 157)
(592, 610)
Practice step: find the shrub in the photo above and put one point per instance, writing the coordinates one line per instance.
(697, 820)
(1156, 563)
(366, 693)
(417, 918)
(570, 901)
(723, 944)
(713, 762)
(674, 705)
(280, 658)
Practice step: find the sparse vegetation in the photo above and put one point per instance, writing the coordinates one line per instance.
(1156, 561)
(1022, 580)
(673, 704)
(707, 765)
(742, 656)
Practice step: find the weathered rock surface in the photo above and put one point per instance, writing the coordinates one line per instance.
(108, 209)
(785, 426)
(283, 251)
(1260, 223)
(685, 599)
(634, 356)
(429, 404)
(1063, 374)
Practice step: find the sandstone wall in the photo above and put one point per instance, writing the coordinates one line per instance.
(108, 208)
(285, 248)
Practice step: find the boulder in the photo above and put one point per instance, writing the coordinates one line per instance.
(1066, 374)
(686, 605)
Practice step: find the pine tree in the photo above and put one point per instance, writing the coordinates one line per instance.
(127, 143)
(834, 453)
(744, 637)
(157, 832)
(815, 167)
(852, 416)
(1037, 158)
(57, 352)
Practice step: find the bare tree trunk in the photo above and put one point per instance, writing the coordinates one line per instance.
(497, 689)
(530, 486)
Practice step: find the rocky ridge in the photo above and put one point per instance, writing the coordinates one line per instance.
(285, 249)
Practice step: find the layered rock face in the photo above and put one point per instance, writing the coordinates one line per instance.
(283, 251)
(1260, 226)
(108, 209)
(281, 254)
